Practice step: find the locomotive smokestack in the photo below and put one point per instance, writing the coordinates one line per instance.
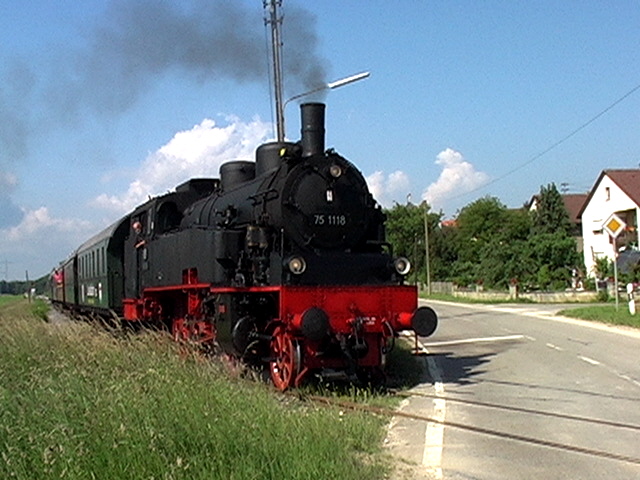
(312, 128)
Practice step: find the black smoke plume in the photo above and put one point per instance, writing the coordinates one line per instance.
(140, 41)
(134, 43)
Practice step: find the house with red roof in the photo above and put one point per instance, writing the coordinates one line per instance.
(615, 192)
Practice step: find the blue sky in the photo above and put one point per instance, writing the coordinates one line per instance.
(103, 103)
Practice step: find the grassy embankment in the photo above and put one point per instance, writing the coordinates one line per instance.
(606, 314)
(77, 402)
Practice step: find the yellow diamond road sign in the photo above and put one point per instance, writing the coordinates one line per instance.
(614, 225)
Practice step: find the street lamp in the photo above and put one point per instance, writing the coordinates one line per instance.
(327, 86)
(332, 85)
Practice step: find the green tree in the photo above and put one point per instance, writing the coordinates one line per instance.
(405, 232)
(18, 287)
(489, 243)
(554, 256)
(551, 248)
(443, 251)
(551, 215)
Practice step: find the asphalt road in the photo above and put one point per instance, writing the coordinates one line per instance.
(523, 394)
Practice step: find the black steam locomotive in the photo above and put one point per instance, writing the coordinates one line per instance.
(282, 261)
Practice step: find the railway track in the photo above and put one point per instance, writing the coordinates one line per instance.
(58, 317)
(389, 412)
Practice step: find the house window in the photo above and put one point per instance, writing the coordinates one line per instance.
(607, 193)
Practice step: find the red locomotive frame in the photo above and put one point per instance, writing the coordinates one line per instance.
(368, 314)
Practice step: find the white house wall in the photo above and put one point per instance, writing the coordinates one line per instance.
(608, 198)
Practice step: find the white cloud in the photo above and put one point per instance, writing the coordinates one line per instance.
(40, 240)
(197, 152)
(390, 188)
(35, 240)
(39, 223)
(375, 181)
(457, 177)
(8, 181)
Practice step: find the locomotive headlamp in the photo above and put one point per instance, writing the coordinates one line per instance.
(296, 265)
(335, 170)
(402, 265)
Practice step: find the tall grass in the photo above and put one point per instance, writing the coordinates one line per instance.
(76, 402)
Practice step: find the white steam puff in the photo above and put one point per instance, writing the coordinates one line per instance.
(457, 177)
(197, 152)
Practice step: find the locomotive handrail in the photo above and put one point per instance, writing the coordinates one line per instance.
(255, 199)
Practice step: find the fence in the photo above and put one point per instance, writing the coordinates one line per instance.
(478, 293)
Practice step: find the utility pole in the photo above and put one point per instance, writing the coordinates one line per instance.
(26, 273)
(426, 247)
(5, 270)
(276, 47)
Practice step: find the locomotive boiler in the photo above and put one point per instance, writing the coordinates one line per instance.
(280, 262)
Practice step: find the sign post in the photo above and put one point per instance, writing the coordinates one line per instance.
(614, 227)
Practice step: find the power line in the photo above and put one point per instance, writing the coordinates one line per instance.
(554, 145)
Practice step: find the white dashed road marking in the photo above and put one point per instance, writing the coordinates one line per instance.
(476, 340)
(589, 360)
(434, 435)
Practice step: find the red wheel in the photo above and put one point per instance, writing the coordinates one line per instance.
(190, 331)
(179, 330)
(285, 359)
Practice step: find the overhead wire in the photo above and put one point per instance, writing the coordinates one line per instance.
(552, 146)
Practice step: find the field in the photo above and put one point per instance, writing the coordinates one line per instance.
(4, 299)
(78, 402)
